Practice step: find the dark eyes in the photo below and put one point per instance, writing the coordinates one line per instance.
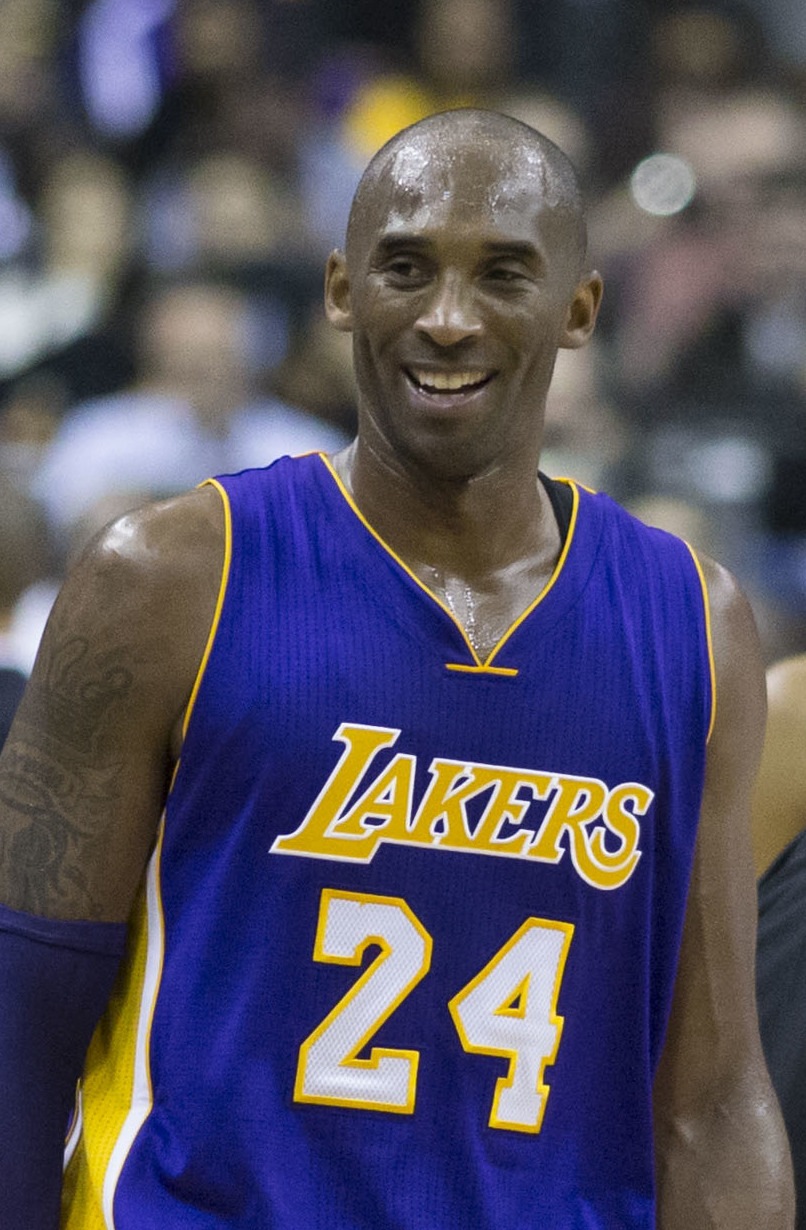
(404, 271)
(505, 273)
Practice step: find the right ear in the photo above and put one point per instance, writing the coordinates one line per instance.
(337, 293)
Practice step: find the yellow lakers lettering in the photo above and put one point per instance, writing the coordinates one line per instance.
(487, 809)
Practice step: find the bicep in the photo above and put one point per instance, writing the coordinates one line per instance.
(712, 1035)
(85, 769)
(79, 782)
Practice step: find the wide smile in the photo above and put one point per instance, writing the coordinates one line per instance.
(448, 387)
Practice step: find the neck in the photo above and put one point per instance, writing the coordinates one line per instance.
(462, 527)
(485, 546)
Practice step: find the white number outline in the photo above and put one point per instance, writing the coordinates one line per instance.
(368, 1073)
(518, 991)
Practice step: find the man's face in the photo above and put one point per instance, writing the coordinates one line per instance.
(458, 284)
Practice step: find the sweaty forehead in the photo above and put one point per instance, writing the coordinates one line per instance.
(486, 183)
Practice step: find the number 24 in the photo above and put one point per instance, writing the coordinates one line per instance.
(508, 1009)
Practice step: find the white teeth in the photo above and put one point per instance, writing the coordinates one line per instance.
(448, 381)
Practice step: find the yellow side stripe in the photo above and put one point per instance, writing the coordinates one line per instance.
(709, 639)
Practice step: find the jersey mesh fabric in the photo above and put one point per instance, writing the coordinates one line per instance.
(418, 927)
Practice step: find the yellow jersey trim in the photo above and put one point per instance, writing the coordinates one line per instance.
(222, 591)
(466, 669)
(478, 666)
(552, 581)
(709, 639)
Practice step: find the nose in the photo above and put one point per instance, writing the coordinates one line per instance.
(449, 315)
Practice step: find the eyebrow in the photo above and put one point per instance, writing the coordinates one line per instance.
(520, 249)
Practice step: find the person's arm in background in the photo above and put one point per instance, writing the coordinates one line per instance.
(779, 799)
(722, 1157)
(83, 778)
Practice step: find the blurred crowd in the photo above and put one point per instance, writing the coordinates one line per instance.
(173, 174)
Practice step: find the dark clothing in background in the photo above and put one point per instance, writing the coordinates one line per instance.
(781, 984)
(12, 685)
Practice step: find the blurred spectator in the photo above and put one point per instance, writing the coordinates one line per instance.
(196, 409)
(784, 25)
(462, 54)
(700, 49)
(706, 248)
(208, 149)
(121, 65)
(585, 437)
(29, 417)
(28, 86)
(223, 210)
(317, 374)
(704, 239)
(57, 307)
(237, 70)
(594, 56)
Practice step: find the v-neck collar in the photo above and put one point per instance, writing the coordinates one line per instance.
(478, 665)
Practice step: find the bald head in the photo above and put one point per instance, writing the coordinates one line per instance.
(509, 158)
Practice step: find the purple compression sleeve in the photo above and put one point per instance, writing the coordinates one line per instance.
(55, 980)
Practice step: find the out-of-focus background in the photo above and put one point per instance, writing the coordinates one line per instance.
(173, 174)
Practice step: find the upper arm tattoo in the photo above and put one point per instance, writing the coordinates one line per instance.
(61, 775)
(82, 690)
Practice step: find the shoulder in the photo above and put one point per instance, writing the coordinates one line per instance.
(153, 548)
(730, 613)
(100, 722)
(142, 596)
(725, 593)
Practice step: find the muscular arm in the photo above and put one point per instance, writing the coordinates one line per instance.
(779, 799)
(83, 777)
(722, 1156)
(85, 769)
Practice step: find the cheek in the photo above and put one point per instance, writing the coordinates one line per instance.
(368, 362)
(539, 333)
(370, 299)
(529, 337)
(380, 321)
